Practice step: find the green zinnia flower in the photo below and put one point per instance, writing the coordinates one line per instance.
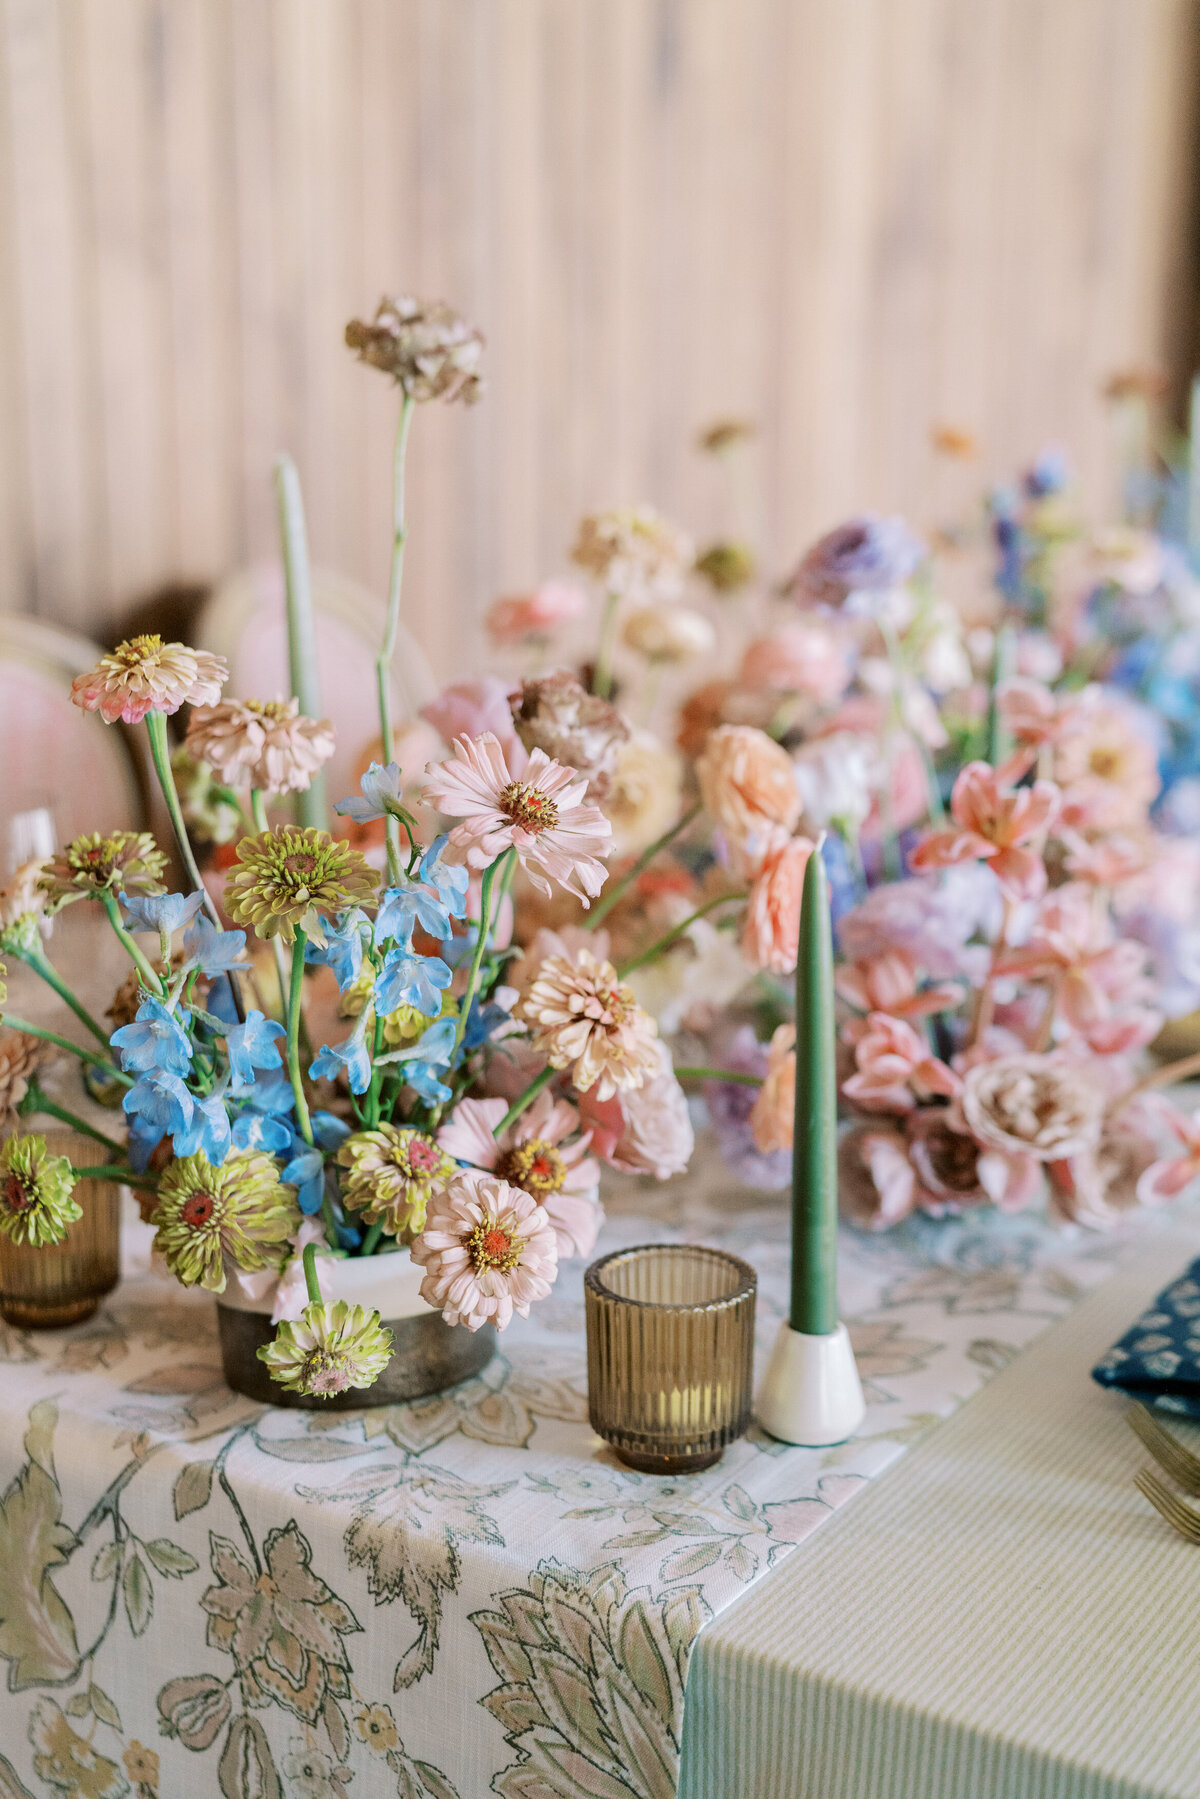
(286, 878)
(124, 861)
(726, 566)
(36, 1204)
(328, 1349)
(241, 1210)
(402, 1026)
(392, 1173)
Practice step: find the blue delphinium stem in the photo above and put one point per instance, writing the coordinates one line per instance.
(151, 980)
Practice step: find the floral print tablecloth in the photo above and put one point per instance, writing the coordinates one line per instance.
(456, 1597)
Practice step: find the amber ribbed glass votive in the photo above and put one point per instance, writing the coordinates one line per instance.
(62, 1283)
(670, 1341)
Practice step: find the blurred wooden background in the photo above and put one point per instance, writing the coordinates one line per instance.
(845, 218)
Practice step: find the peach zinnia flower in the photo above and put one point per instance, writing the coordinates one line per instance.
(746, 782)
(487, 1249)
(534, 1154)
(772, 923)
(543, 816)
(585, 1019)
(144, 674)
(266, 743)
(1003, 826)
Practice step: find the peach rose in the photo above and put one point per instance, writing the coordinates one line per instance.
(805, 656)
(746, 782)
(771, 1119)
(772, 922)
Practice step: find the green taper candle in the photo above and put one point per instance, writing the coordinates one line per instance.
(814, 1153)
(302, 643)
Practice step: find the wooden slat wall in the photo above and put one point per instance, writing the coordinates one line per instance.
(847, 218)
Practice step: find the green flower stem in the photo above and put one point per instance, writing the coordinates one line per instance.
(719, 1074)
(485, 925)
(527, 1098)
(258, 809)
(607, 901)
(302, 648)
(310, 1274)
(75, 1049)
(383, 664)
(377, 1073)
(111, 1171)
(663, 944)
(371, 1241)
(150, 978)
(1004, 665)
(36, 1103)
(293, 1039)
(602, 681)
(42, 965)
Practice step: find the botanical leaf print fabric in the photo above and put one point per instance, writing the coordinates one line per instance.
(460, 1596)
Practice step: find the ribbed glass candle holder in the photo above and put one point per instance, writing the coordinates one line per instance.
(670, 1341)
(62, 1283)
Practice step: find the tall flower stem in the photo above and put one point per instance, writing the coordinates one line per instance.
(309, 1259)
(110, 1171)
(151, 979)
(258, 810)
(156, 730)
(42, 965)
(383, 664)
(36, 1103)
(371, 1241)
(485, 925)
(602, 681)
(85, 1055)
(293, 1039)
(719, 1074)
(605, 904)
(525, 1099)
(664, 943)
(302, 647)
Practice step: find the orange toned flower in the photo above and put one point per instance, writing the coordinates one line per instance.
(771, 928)
(585, 1019)
(888, 983)
(1106, 766)
(1005, 827)
(747, 783)
(805, 656)
(530, 617)
(772, 1120)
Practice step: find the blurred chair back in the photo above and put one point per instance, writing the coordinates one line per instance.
(62, 771)
(246, 622)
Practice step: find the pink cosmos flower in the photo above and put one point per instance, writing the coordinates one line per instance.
(488, 1250)
(534, 1154)
(1005, 827)
(771, 929)
(1167, 1178)
(894, 1066)
(471, 708)
(888, 983)
(646, 1129)
(542, 815)
(524, 617)
(805, 656)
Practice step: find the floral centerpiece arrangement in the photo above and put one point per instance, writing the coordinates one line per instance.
(459, 1118)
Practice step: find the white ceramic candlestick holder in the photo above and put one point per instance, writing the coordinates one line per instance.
(811, 1393)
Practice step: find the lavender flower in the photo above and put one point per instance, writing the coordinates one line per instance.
(865, 555)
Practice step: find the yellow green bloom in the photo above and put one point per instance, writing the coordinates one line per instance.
(402, 1026)
(391, 1173)
(328, 1349)
(121, 862)
(284, 879)
(726, 566)
(36, 1192)
(241, 1211)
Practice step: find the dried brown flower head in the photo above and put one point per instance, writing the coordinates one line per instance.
(424, 345)
(20, 1059)
(557, 714)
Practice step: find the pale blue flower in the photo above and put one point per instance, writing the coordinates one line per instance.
(306, 1172)
(251, 1046)
(213, 951)
(156, 1040)
(381, 791)
(342, 950)
(161, 1103)
(449, 880)
(166, 912)
(256, 1130)
(330, 1132)
(410, 980)
(207, 1130)
(350, 1058)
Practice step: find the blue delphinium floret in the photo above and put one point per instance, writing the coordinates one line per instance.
(156, 1040)
(252, 1046)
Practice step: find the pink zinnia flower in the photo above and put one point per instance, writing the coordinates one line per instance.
(520, 617)
(1003, 826)
(144, 674)
(534, 1154)
(488, 1250)
(894, 1066)
(584, 1018)
(469, 708)
(646, 1129)
(543, 815)
(771, 928)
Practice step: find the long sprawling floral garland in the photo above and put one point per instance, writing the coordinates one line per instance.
(1002, 801)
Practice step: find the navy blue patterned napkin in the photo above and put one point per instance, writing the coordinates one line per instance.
(1158, 1360)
